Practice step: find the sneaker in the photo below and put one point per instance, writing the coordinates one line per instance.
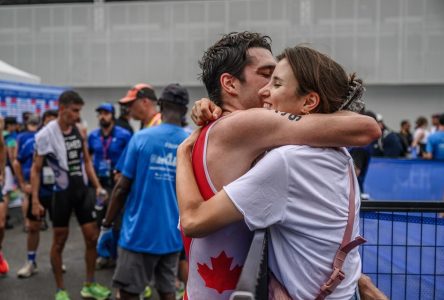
(180, 291)
(147, 293)
(28, 269)
(62, 295)
(96, 291)
(4, 267)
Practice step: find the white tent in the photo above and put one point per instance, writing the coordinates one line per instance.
(8, 72)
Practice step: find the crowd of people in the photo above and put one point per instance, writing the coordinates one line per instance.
(425, 142)
(186, 232)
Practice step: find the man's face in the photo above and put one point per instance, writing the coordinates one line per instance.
(105, 118)
(137, 109)
(70, 114)
(406, 126)
(257, 74)
(435, 121)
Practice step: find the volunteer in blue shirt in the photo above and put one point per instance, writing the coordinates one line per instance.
(106, 144)
(150, 242)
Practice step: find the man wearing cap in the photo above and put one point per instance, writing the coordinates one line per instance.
(149, 240)
(106, 144)
(141, 103)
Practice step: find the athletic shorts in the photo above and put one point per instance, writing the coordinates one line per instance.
(79, 199)
(134, 271)
(45, 202)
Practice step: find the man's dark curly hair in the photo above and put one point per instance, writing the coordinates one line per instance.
(229, 55)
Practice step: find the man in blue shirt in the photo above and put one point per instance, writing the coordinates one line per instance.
(149, 240)
(22, 168)
(435, 142)
(106, 144)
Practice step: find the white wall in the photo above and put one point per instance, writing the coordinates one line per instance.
(116, 44)
(394, 102)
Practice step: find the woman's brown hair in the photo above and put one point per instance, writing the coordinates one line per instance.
(316, 72)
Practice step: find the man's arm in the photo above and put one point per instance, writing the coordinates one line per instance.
(25, 187)
(89, 168)
(36, 169)
(198, 217)
(117, 201)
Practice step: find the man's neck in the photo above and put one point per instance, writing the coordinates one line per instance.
(106, 131)
(65, 128)
(148, 119)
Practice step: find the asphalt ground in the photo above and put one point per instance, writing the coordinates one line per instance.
(42, 285)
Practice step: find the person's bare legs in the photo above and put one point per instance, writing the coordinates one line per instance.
(25, 204)
(33, 235)
(60, 235)
(90, 235)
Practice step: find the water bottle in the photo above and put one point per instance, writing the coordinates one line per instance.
(100, 200)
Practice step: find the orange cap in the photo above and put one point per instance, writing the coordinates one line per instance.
(140, 90)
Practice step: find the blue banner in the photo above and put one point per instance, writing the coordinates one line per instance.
(405, 179)
(16, 98)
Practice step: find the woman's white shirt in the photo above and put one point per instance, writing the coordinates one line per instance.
(302, 193)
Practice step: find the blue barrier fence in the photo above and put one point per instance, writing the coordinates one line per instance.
(404, 253)
(405, 180)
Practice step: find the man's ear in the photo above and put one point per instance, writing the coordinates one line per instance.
(311, 102)
(229, 84)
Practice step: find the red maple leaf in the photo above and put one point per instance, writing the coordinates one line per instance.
(221, 277)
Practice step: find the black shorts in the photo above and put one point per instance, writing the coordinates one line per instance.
(45, 202)
(79, 199)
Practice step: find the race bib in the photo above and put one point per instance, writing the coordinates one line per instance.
(48, 176)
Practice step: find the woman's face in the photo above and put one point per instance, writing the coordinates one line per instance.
(280, 92)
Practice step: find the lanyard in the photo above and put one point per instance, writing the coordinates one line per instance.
(105, 145)
(156, 120)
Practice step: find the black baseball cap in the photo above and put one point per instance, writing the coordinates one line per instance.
(176, 94)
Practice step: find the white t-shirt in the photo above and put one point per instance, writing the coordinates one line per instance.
(301, 193)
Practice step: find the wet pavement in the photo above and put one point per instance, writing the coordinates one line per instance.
(42, 285)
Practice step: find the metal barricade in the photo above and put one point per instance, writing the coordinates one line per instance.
(404, 253)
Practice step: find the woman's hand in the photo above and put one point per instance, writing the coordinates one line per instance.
(204, 111)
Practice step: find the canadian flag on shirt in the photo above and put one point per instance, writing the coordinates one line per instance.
(216, 261)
